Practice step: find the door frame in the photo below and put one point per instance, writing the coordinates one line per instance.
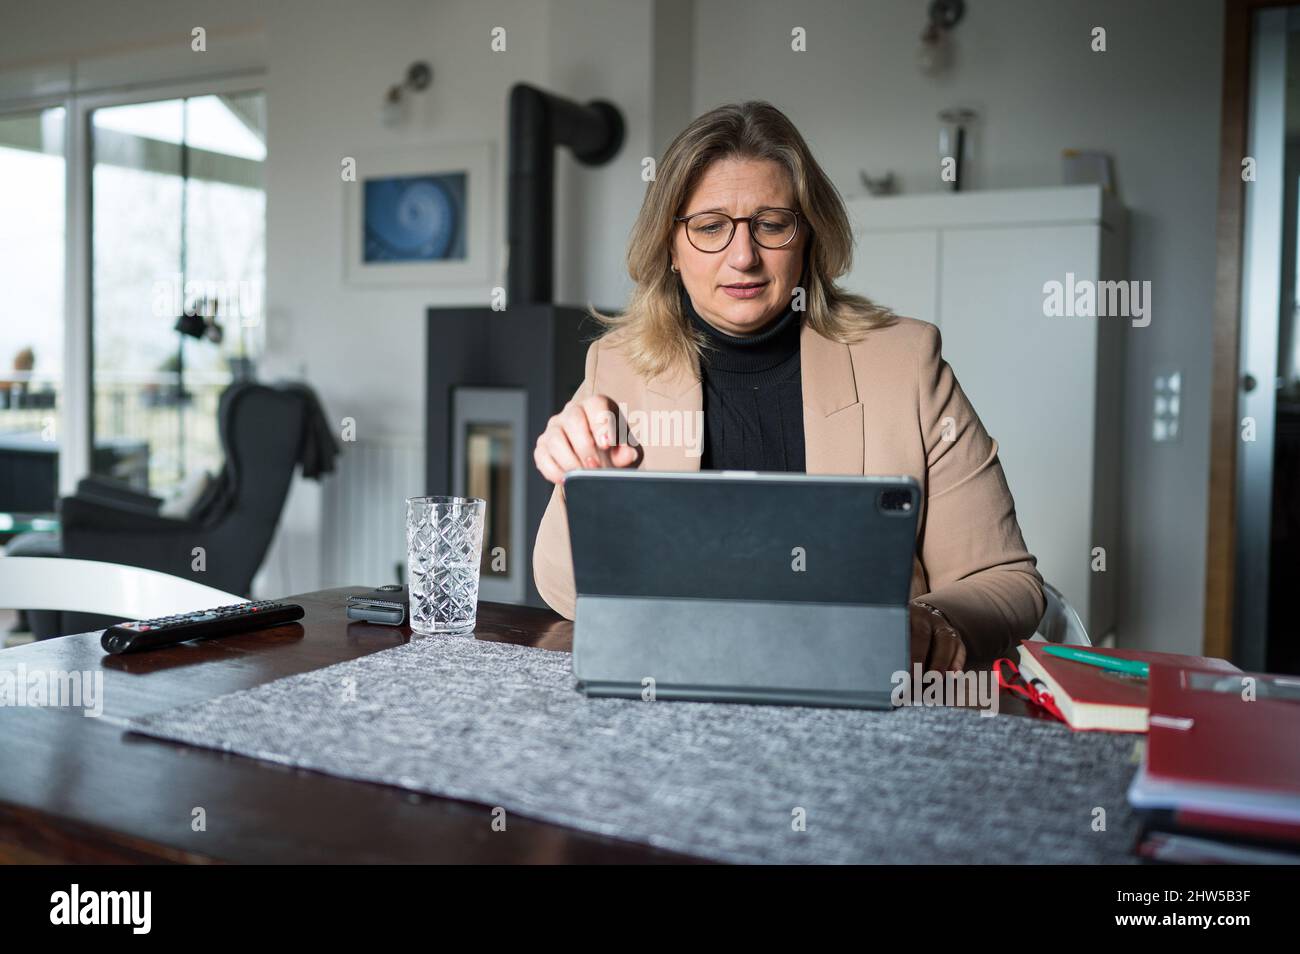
(1221, 543)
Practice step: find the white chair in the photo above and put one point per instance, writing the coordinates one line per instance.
(1060, 622)
(86, 586)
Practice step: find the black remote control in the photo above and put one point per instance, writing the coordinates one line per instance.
(202, 624)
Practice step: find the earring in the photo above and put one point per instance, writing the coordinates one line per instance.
(673, 268)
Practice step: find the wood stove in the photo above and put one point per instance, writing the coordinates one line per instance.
(494, 378)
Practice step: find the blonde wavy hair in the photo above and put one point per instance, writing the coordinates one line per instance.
(653, 330)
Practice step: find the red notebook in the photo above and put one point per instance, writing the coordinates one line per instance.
(1223, 745)
(1223, 825)
(1093, 698)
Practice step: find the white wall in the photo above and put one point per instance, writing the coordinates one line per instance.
(600, 50)
(1151, 101)
(44, 33)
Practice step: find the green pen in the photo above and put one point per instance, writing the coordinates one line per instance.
(1128, 666)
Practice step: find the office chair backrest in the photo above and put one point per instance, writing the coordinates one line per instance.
(1060, 622)
(110, 589)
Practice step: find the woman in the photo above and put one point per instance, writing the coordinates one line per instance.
(735, 314)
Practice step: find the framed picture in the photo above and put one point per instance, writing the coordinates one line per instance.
(420, 215)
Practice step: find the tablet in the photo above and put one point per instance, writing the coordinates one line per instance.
(741, 586)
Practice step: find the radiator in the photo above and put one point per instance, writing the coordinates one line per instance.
(364, 531)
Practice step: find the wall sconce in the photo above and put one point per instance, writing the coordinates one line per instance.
(397, 100)
(934, 56)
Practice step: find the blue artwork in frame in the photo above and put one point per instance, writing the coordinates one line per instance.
(418, 218)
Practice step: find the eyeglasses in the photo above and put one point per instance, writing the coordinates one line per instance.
(713, 231)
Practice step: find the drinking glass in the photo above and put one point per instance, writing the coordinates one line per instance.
(444, 544)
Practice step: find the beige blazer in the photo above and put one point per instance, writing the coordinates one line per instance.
(888, 404)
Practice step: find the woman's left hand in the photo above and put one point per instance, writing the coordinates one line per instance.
(935, 644)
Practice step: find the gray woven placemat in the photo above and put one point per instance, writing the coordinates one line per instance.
(503, 726)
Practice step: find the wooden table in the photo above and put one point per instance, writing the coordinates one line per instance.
(79, 789)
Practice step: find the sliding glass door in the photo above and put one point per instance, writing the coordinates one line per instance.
(177, 266)
(32, 157)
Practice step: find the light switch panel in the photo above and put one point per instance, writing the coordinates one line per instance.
(1166, 407)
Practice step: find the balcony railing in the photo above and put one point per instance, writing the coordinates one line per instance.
(132, 410)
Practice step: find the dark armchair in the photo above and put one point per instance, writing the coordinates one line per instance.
(265, 431)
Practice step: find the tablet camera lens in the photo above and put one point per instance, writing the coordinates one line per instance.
(896, 502)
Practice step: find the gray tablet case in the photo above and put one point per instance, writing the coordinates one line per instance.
(741, 587)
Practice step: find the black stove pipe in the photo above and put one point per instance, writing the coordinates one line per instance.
(540, 121)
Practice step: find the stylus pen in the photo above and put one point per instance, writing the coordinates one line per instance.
(1096, 659)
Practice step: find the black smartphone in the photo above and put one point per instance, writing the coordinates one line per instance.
(386, 605)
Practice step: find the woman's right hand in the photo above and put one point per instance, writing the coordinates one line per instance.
(585, 434)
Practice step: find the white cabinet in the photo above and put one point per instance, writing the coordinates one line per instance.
(1049, 389)
(903, 269)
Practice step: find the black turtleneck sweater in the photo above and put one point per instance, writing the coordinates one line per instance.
(753, 396)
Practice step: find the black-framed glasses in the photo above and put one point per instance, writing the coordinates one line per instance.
(713, 231)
